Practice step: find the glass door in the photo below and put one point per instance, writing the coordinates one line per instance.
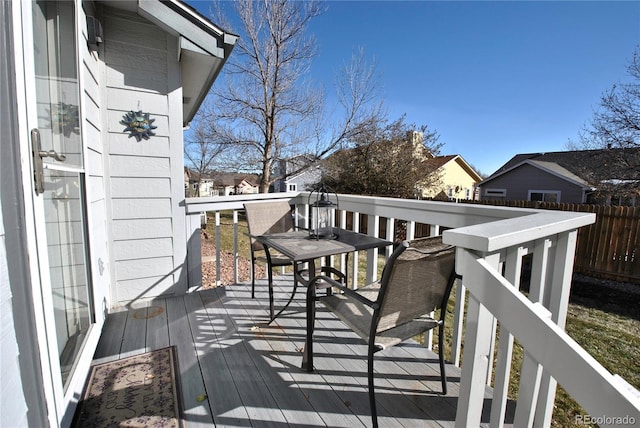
(60, 179)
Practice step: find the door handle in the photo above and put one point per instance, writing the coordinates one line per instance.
(52, 154)
(38, 155)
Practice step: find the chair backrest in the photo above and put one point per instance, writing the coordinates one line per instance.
(268, 217)
(415, 281)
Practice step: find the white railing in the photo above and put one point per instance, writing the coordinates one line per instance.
(491, 242)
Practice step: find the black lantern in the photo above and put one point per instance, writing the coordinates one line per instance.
(322, 212)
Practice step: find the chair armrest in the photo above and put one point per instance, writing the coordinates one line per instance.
(345, 289)
(334, 271)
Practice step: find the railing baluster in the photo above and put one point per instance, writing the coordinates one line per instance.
(411, 230)
(236, 255)
(458, 320)
(218, 273)
(373, 223)
(354, 276)
(343, 225)
(562, 256)
(513, 270)
(391, 236)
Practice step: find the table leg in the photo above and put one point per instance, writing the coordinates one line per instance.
(307, 352)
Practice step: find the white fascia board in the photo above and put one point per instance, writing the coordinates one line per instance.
(179, 25)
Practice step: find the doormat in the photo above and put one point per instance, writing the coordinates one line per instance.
(138, 391)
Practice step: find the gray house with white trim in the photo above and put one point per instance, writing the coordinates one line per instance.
(584, 176)
(94, 99)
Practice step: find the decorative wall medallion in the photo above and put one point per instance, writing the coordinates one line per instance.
(138, 125)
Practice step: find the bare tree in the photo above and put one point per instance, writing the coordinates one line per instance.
(201, 153)
(266, 109)
(616, 124)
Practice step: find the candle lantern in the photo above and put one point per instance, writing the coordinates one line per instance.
(322, 212)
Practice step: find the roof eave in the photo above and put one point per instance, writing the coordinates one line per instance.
(202, 52)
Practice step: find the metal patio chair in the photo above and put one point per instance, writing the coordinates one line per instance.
(416, 281)
(265, 218)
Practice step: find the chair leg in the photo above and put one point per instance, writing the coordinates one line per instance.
(443, 374)
(372, 393)
(293, 294)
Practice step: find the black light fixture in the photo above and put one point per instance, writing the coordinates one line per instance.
(322, 212)
(94, 33)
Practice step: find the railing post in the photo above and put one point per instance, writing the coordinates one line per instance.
(477, 345)
(194, 251)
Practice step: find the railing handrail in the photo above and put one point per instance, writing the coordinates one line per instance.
(477, 227)
(233, 202)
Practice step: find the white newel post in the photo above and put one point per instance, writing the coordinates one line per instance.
(477, 347)
(194, 252)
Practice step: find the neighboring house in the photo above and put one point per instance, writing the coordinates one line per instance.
(235, 184)
(93, 217)
(585, 176)
(458, 180)
(199, 185)
(303, 180)
(298, 173)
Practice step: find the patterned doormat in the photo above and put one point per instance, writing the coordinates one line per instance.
(138, 391)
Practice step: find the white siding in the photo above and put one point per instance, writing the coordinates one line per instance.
(92, 77)
(148, 235)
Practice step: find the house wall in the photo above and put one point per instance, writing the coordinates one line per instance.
(521, 180)
(456, 175)
(92, 78)
(145, 179)
(303, 181)
(452, 175)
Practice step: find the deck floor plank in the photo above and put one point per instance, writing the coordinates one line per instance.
(157, 326)
(197, 412)
(236, 369)
(133, 342)
(113, 331)
(224, 396)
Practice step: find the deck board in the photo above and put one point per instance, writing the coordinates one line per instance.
(248, 371)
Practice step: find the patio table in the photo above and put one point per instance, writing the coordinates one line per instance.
(300, 248)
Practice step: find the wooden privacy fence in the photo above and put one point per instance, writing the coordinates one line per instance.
(609, 248)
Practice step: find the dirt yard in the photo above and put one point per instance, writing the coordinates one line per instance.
(226, 264)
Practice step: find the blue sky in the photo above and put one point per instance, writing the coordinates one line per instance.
(492, 78)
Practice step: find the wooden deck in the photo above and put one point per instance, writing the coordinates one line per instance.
(250, 372)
